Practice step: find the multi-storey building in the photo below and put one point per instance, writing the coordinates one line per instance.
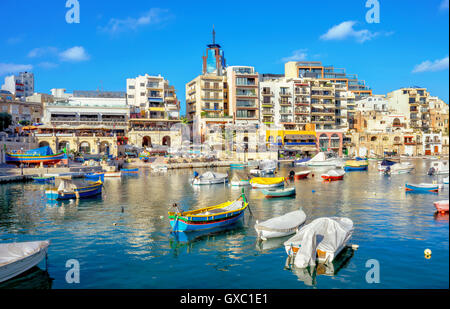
(21, 85)
(207, 102)
(377, 103)
(243, 102)
(439, 115)
(20, 110)
(315, 70)
(90, 122)
(151, 97)
(412, 102)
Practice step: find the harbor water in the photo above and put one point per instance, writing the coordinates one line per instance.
(123, 238)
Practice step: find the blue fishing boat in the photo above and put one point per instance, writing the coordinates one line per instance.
(237, 166)
(95, 176)
(209, 217)
(130, 170)
(44, 179)
(69, 189)
(36, 156)
(422, 187)
(356, 165)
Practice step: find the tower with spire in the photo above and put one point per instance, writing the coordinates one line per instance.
(214, 60)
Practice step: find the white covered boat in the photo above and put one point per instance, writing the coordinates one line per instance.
(210, 178)
(159, 167)
(325, 159)
(265, 167)
(445, 180)
(400, 168)
(321, 240)
(239, 180)
(280, 226)
(439, 168)
(18, 257)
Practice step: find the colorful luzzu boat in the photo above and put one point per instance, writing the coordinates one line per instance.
(209, 217)
(70, 190)
(37, 156)
(95, 176)
(422, 187)
(356, 165)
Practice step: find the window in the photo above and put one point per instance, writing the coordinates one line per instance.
(130, 87)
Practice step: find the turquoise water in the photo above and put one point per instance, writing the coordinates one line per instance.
(135, 249)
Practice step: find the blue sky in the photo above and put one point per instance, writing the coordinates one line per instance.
(116, 40)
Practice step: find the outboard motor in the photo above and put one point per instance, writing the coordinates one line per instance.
(431, 171)
(387, 171)
(195, 174)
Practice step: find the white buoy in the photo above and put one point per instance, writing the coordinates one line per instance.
(427, 252)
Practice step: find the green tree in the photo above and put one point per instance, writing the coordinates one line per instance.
(5, 121)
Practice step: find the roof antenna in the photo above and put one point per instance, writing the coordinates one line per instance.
(214, 36)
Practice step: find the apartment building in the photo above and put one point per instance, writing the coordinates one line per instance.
(20, 110)
(439, 115)
(412, 102)
(152, 97)
(243, 95)
(21, 85)
(316, 70)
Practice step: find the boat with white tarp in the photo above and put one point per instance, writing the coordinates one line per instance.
(280, 226)
(321, 240)
(18, 257)
(210, 178)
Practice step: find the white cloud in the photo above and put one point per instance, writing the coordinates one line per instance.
(48, 65)
(152, 17)
(444, 5)
(42, 51)
(345, 30)
(297, 55)
(74, 54)
(11, 68)
(432, 66)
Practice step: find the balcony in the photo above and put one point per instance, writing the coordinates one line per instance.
(285, 94)
(267, 112)
(267, 93)
(285, 111)
(283, 102)
(267, 104)
(301, 111)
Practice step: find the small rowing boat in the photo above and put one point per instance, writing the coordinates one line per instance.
(210, 178)
(130, 170)
(301, 175)
(113, 174)
(332, 175)
(279, 193)
(422, 187)
(95, 176)
(356, 165)
(267, 182)
(18, 257)
(44, 179)
(441, 206)
(280, 226)
(69, 189)
(209, 217)
(321, 240)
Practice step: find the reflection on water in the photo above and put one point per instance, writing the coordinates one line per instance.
(34, 278)
(309, 274)
(123, 238)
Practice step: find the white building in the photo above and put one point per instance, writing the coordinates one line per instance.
(21, 85)
(152, 97)
(377, 103)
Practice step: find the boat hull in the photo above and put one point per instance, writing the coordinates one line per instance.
(84, 192)
(441, 206)
(18, 267)
(199, 182)
(332, 178)
(279, 193)
(181, 225)
(240, 183)
(264, 186)
(19, 159)
(113, 174)
(355, 168)
(301, 175)
(411, 187)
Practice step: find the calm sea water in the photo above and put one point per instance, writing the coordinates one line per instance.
(135, 248)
